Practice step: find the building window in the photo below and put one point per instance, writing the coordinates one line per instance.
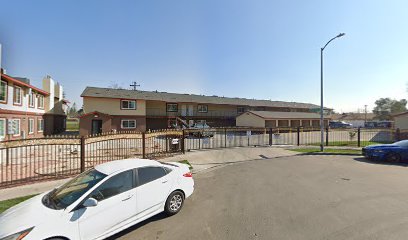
(3, 91)
(202, 108)
(30, 126)
(240, 110)
(40, 125)
(16, 127)
(31, 98)
(172, 107)
(128, 124)
(128, 104)
(40, 101)
(18, 96)
(2, 128)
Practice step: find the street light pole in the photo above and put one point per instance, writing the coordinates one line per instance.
(321, 91)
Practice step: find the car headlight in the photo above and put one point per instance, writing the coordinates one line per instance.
(19, 235)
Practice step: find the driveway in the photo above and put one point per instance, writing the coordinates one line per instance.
(289, 197)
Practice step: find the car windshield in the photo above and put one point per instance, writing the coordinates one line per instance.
(403, 143)
(68, 193)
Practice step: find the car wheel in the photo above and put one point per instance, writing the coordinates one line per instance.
(393, 157)
(174, 203)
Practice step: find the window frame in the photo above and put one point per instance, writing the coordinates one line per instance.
(240, 112)
(31, 99)
(127, 100)
(40, 125)
(19, 127)
(138, 174)
(134, 185)
(200, 110)
(4, 128)
(40, 99)
(171, 104)
(31, 126)
(20, 90)
(5, 91)
(128, 120)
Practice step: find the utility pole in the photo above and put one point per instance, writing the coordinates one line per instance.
(365, 114)
(321, 91)
(134, 85)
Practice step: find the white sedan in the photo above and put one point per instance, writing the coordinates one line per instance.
(100, 202)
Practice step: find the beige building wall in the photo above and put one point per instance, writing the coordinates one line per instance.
(156, 108)
(401, 122)
(250, 120)
(112, 106)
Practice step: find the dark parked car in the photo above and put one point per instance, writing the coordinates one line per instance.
(394, 153)
(340, 124)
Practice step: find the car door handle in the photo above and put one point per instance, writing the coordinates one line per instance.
(164, 181)
(127, 198)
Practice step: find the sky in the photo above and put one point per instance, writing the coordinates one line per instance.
(234, 48)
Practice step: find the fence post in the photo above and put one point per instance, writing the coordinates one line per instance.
(270, 136)
(298, 136)
(359, 137)
(82, 158)
(327, 136)
(183, 149)
(225, 137)
(398, 135)
(143, 145)
(167, 144)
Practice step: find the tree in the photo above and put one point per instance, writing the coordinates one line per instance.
(72, 111)
(385, 107)
(115, 86)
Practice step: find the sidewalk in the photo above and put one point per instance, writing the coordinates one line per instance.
(201, 160)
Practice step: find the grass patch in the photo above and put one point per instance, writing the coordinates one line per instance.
(186, 162)
(327, 150)
(6, 204)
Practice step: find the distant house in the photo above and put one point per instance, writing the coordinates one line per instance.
(401, 121)
(269, 119)
(356, 119)
(27, 111)
(107, 109)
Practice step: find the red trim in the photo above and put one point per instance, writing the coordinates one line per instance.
(22, 84)
(92, 113)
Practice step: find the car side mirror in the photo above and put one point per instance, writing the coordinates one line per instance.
(90, 202)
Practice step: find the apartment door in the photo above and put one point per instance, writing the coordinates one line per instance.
(187, 110)
(190, 110)
(183, 110)
(96, 126)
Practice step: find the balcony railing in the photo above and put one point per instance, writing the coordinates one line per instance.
(194, 113)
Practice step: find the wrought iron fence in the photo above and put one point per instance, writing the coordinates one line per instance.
(31, 160)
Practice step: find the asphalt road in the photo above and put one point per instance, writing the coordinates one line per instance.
(294, 197)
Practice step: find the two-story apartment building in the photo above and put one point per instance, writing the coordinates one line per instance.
(27, 111)
(107, 109)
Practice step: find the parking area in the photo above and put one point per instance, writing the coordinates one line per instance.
(288, 197)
